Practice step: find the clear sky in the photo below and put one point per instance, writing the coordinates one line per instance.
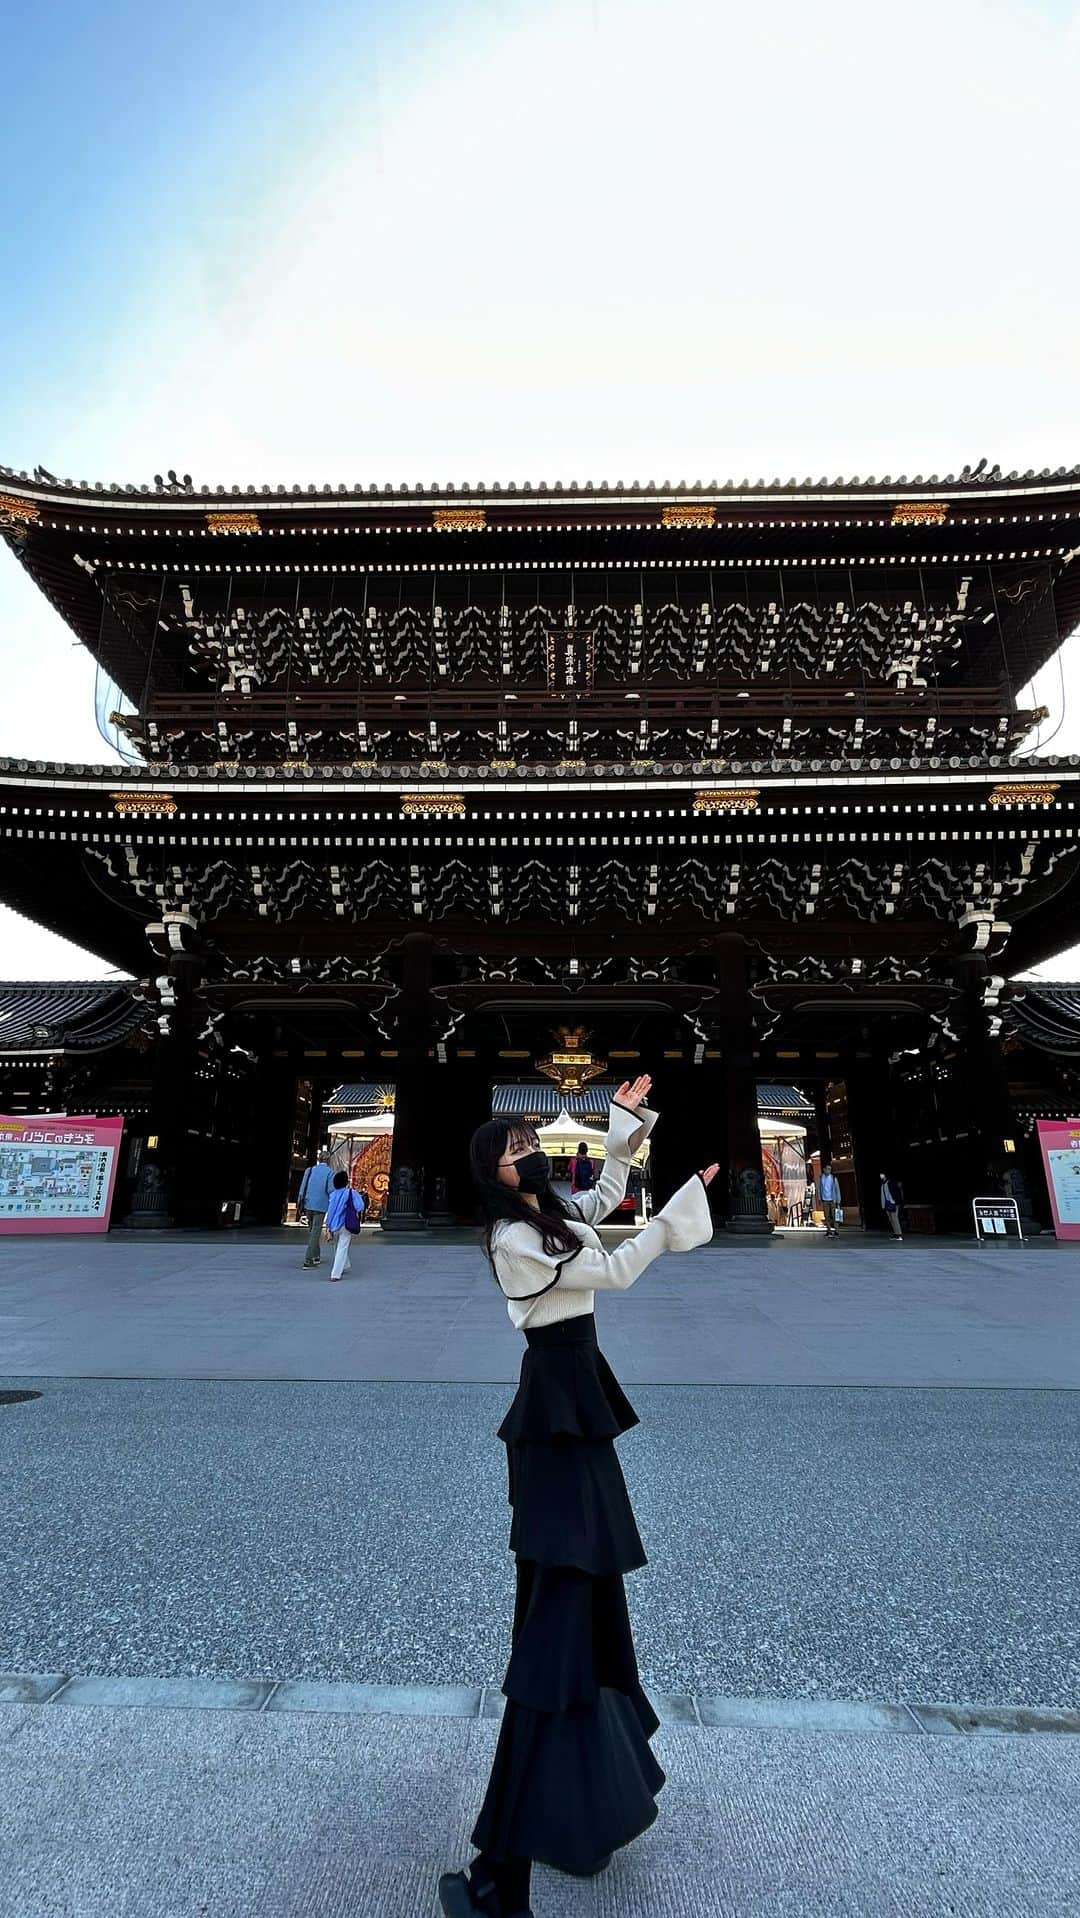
(543, 239)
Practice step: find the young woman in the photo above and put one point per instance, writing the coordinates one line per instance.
(573, 1777)
(335, 1227)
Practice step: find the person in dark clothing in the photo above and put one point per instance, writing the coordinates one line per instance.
(892, 1198)
(582, 1170)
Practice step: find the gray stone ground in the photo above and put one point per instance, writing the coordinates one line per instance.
(233, 1815)
(803, 1542)
(801, 1311)
(239, 1471)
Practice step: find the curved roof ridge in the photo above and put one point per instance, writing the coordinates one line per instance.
(978, 478)
(67, 985)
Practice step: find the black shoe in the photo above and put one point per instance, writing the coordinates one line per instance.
(459, 1898)
(600, 1865)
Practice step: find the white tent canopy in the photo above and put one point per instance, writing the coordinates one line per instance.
(780, 1129)
(376, 1127)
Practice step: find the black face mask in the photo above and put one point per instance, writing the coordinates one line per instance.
(533, 1172)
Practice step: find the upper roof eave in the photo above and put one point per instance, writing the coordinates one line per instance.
(155, 500)
(318, 781)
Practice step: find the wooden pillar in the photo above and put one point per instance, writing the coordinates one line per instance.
(747, 1209)
(985, 1100)
(414, 1114)
(461, 1095)
(873, 1134)
(161, 1197)
(821, 1121)
(674, 1142)
(273, 1098)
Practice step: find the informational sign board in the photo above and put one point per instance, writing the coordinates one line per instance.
(1059, 1143)
(57, 1174)
(996, 1218)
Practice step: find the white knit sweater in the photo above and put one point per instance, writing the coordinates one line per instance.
(542, 1288)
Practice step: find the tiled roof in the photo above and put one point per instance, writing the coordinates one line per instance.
(86, 1016)
(1046, 1017)
(783, 1102)
(183, 487)
(541, 1103)
(256, 777)
(360, 1100)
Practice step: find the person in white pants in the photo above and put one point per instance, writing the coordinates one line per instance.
(335, 1227)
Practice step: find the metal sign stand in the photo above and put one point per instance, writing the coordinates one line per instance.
(996, 1218)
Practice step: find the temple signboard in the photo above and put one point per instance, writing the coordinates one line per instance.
(57, 1174)
(1059, 1143)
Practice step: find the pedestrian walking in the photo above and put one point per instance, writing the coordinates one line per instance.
(573, 1777)
(892, 1198)
(829, 1194)
(343, 1215)
(582, 1170)
(313, 1198)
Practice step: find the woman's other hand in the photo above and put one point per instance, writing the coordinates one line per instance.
(633, 1095)
(709, 1174)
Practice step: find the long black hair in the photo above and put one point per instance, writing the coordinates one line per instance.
(549, 1217)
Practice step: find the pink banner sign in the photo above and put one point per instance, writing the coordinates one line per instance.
(1059, 1141)
(57, 1172)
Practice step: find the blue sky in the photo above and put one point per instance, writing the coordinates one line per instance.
(552, 239)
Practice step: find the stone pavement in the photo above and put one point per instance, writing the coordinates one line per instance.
(804, 1311)
(241, 1814)
(286, 1499)
(803, 1541)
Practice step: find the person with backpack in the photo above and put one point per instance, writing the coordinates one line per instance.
(582, 1171)
(344, 1213)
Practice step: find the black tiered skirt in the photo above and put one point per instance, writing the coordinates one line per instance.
(574, 1776)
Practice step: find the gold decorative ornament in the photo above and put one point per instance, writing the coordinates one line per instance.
(571, 1067)
(17, 516)
(162, 804)
(13, 510)
(689, 515)
(727, 799)
(920, 512)
(502, 765)
(1039, 793)
(426, 805)
(459, 519)
(232, 523)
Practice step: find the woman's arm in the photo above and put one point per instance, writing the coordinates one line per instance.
(524, 1269)
(627, 1127)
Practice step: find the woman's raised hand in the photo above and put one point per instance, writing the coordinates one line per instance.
(632, 1095)
(709, 1174)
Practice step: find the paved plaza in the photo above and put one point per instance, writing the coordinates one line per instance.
(257, 1590)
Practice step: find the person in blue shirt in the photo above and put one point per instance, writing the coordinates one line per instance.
(314, 1197)
(335, 1227)
(829, 1194)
